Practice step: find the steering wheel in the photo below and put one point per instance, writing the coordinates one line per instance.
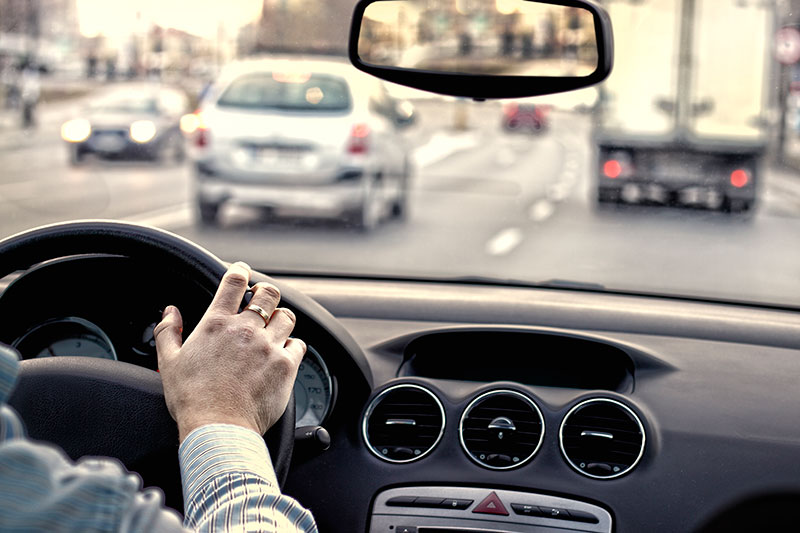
(109, 408)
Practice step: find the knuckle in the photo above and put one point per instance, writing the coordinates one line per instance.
(283, 366)
(244, 332)
(289, 314)
(162, 327)
(270, 290)
(214, 324)
(236, 279)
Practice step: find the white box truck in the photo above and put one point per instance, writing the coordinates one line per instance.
(696, 132)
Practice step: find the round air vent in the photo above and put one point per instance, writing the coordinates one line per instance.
(403, 423)
(602, 438)
(501, 429)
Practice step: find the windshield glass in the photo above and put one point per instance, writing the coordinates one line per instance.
(678, 175)
(125, 104)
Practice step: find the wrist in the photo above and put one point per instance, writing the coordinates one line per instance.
(186, 426)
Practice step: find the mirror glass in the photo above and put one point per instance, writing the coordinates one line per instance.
(501, 37)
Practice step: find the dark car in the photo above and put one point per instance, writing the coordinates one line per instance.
(130, 122)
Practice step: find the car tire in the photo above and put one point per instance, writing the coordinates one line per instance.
(208, 213)
(399, 209)
(367, 216)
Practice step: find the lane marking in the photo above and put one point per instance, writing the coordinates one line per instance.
(176, 216)
(505, 241)
(505, 157)
(541, 210)
(442, 145)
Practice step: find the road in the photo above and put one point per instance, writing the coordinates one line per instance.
(484, 203)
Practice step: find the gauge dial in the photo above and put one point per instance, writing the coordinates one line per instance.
(65, 336)
(312, 390)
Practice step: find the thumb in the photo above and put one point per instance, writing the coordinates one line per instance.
(168, 334)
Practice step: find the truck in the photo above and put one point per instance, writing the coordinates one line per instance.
(697, 132)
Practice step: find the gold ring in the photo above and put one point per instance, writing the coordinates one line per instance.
(256, 309)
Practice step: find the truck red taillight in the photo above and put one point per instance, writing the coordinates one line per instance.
(612, 169)
(359, 139)
(739, 178)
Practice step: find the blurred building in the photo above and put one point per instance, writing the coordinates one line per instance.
(284, 27)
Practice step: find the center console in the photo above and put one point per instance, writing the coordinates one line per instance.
(431, 509)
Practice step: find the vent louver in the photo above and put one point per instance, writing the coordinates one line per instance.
(403, 423)
(602, 438)
(501, 429)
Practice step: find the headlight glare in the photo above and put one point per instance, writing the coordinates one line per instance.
(142, 131)
(75, 131)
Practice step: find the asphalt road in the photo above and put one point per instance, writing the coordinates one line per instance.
(484, 203)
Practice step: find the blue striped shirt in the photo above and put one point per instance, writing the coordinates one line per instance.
(228, 484)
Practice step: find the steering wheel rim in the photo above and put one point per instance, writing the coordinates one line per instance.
(108, 379)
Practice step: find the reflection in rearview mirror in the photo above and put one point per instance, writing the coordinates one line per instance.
(505, 37)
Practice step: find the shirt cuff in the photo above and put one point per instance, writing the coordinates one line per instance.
(218, 449)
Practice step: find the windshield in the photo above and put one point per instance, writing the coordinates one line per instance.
(125, 104)
(678, 175)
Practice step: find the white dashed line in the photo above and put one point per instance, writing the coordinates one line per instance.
(541, 210)
(505, 157)
(505, 241)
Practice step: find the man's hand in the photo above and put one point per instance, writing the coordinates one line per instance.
(232, 369)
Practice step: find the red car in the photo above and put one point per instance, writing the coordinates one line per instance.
(525, 116)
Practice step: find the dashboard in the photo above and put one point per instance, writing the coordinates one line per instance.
(492, 409)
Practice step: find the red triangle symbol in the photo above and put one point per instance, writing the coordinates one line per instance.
(491, 505)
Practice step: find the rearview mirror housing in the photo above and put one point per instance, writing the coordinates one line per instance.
(483, 48)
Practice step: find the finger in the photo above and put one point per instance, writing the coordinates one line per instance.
(231, 289)
(296, 349)
(168, 333)
(266, 296)
(280, 326)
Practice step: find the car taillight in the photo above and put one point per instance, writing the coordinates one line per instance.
(359, 139)
(740, 177)
(202, 137)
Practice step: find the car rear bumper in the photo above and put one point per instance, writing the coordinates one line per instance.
(342, 192)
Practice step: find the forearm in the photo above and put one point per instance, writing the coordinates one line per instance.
(229, 484)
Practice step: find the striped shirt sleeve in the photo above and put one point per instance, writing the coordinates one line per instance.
(229, 484)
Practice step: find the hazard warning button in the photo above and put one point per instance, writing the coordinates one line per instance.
(491, 505)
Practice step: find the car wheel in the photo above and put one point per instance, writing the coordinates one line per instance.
(367, 216)
(208, 213)
(399, 210)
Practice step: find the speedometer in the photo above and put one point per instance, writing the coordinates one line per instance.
(313, 390)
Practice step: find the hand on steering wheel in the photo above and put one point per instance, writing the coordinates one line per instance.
(236, 367)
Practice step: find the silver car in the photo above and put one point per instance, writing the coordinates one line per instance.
(311, 137)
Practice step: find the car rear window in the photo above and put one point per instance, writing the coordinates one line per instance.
(293, 91)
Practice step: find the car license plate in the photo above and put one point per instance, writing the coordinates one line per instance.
(108, 142)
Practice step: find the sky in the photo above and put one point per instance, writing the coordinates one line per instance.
(118, 18)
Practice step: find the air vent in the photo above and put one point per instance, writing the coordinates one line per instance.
(501, 429)
(602, 438)
(403, 423)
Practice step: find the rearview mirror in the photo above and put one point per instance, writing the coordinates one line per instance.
(483, 48)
